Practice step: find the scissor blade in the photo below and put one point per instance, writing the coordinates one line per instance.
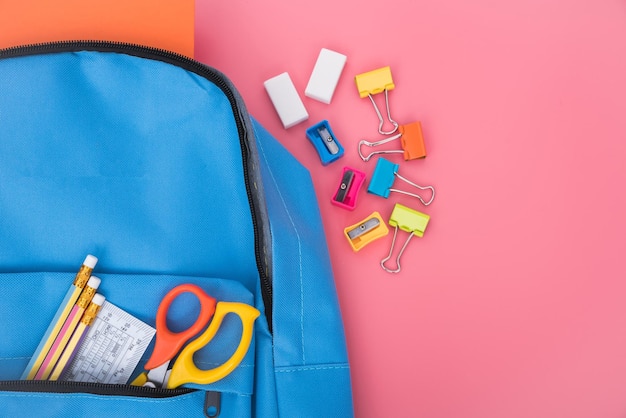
(158, 376)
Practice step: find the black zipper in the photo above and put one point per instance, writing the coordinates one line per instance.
(212, 400)
(47, 386)
(220, 81)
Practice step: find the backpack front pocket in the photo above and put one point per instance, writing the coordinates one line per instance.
(28, 302)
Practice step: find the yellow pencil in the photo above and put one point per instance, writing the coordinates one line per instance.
(68, 328)
(59, 319)
(77, 338)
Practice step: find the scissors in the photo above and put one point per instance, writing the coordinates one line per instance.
(169, 343)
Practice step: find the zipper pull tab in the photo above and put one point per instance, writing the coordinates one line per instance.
(212, 404)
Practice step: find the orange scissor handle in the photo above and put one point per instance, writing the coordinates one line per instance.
(168, 343)
(186, 371)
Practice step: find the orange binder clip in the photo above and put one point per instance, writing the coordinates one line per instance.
(411, 138)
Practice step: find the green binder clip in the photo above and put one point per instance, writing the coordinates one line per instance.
(408, 220)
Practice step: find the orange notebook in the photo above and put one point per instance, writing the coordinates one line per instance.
(165, 24)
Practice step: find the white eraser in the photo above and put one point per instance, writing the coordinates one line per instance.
(286, 101)
(98, 299)
(90, 261)
(325, 75)
(93, 282)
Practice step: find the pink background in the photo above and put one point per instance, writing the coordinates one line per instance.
(512, 305)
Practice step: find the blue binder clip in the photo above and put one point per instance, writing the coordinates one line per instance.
(325, 142)
(385, 175)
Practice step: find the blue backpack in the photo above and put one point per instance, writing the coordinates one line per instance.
(150, 161)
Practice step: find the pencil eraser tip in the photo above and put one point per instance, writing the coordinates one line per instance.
(90, 261)
(94, 282)
(325, 75)
(98, 299)
(286, 100)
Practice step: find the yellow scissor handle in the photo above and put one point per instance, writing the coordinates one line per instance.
(185, 370)
(140, 380)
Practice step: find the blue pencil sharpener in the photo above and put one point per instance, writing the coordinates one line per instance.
(325, 142)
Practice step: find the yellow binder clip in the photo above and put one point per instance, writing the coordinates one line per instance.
(368, 230)
(375, 82)
(408, 220)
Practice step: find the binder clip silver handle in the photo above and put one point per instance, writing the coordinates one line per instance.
(375, 144)
(393, 243)
(381, 121)
(431, 188)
